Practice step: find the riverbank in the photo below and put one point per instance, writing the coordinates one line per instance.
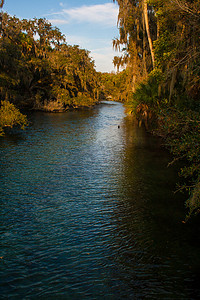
(11, 116)
(179, 128)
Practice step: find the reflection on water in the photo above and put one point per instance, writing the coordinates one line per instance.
(88, 212)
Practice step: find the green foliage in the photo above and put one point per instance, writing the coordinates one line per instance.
(156, 75)
(34, 71)
(166, 95)
(181, 131)
(10, 116)
(113, 86)
(146, 93)
(193, 203)
(165, 48)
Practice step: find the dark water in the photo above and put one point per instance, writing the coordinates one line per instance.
(88, 212)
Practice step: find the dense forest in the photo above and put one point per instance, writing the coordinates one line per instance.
(39, 70)
(159, 41)
(159, 45)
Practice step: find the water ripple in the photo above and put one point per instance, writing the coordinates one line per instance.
(83, 215)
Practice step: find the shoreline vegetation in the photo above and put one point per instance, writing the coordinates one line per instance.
(40, 71)
(159, 49)
(159, 41)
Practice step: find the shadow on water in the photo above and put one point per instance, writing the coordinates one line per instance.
(162, 251)
(88, 211)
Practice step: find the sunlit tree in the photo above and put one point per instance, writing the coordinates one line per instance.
(40, 70)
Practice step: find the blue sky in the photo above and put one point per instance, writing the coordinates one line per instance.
(90, 24)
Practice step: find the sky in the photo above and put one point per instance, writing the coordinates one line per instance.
(90, 24)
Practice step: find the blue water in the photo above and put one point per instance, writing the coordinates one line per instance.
(88, 211)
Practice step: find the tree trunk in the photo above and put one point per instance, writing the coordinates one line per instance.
(145, 73)
(1, 3)
(145, 11)
(172, 83)
(158, 28)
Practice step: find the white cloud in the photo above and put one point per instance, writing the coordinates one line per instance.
(58, 21)
(106, 14)
(82, 41)
(103, 59)
(103, 56)
(91, 27)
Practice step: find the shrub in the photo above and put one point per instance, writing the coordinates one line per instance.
(11, 116)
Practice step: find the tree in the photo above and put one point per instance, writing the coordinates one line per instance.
(10, 116)
(136, 39)
(146, 19)
(168, 95)
(43, 73)
(1, 3)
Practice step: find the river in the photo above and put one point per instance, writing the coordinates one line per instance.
(88, 211)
